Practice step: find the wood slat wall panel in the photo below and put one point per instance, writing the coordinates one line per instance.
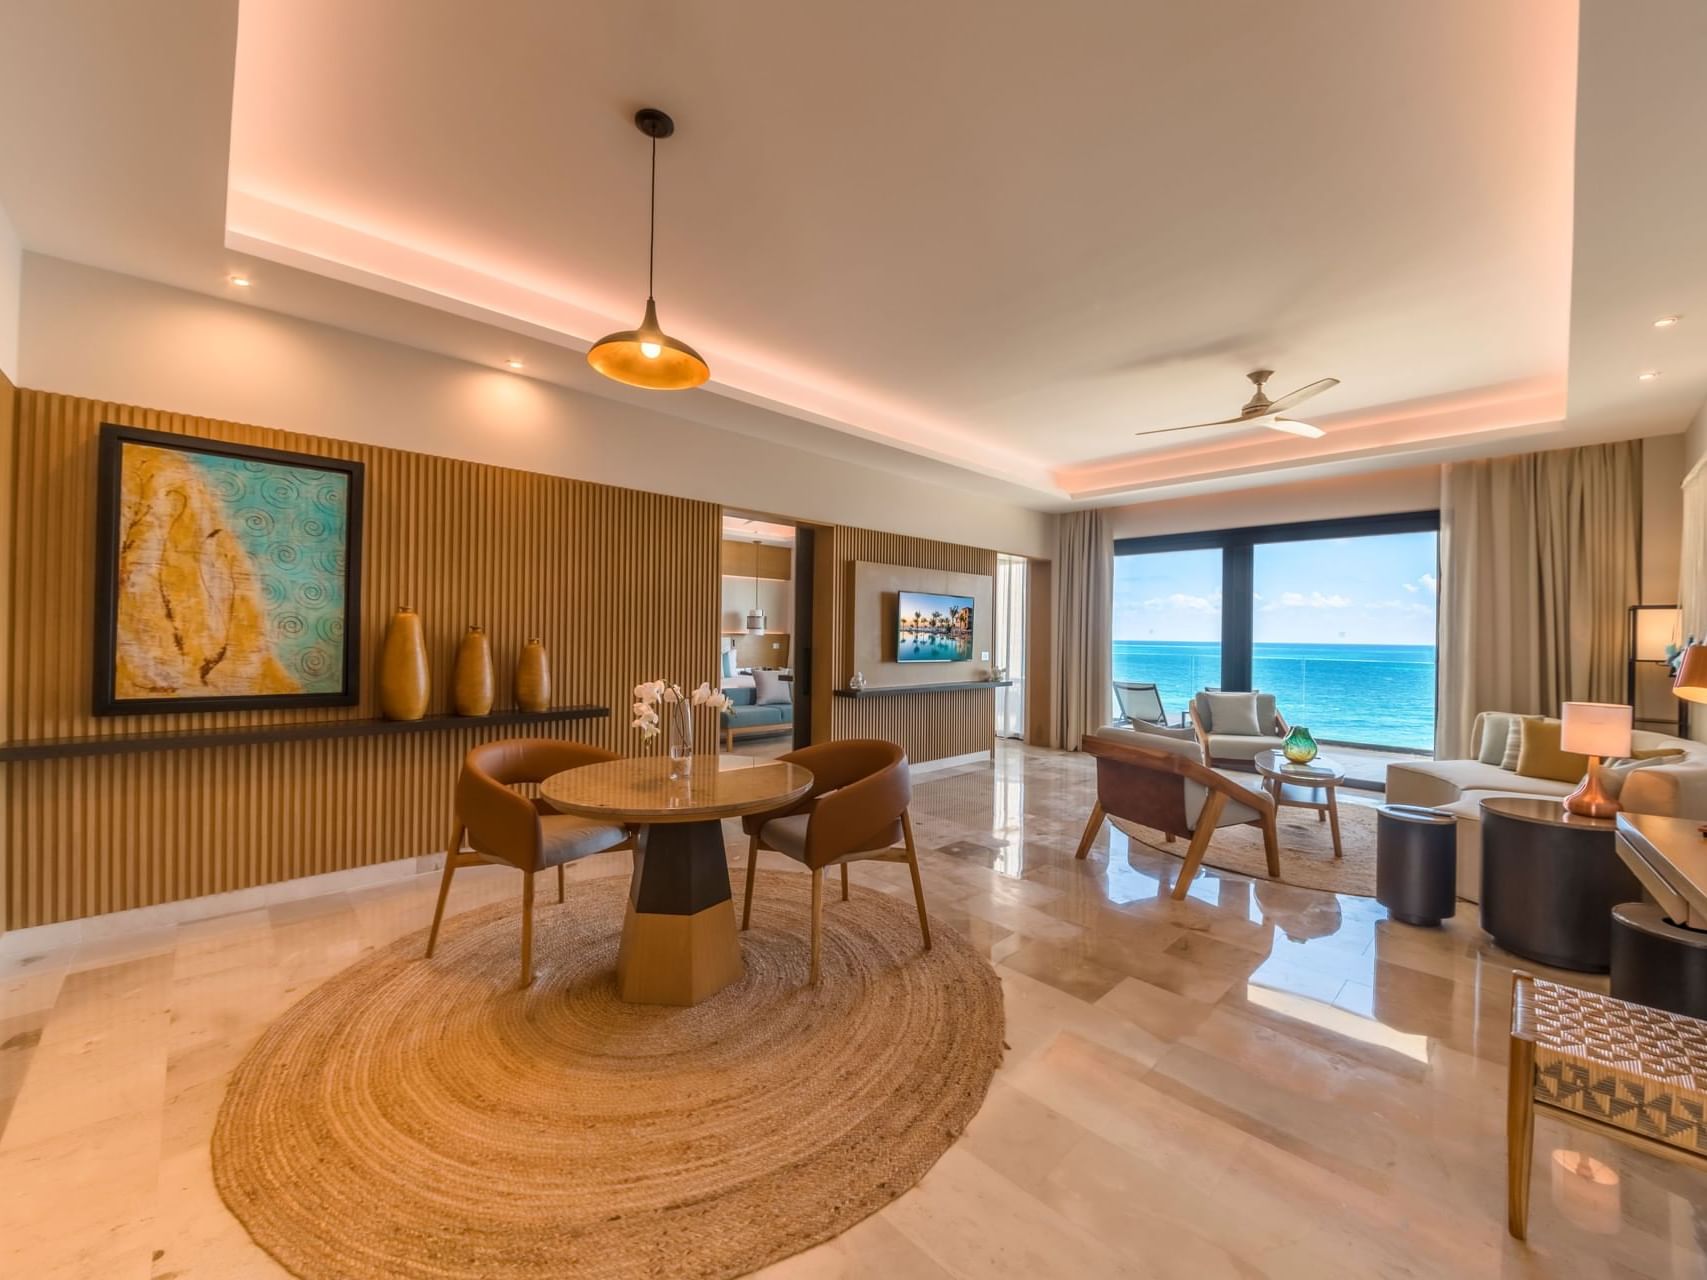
(931, 726)
(621, 586)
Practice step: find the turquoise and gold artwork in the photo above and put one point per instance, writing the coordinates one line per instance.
(231, 573)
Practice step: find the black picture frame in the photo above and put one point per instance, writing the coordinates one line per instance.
(113, 438)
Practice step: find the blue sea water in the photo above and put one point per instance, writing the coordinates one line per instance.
(1375, 693)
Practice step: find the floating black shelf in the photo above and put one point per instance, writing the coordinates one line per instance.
(892, 689)
(119, 744)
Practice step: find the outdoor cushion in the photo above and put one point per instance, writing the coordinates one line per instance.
(1233, 713)
(1234, 746)
(1541, 756)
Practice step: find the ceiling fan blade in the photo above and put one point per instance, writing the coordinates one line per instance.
(1292, 427)
(1299, 396)
(1195, 426)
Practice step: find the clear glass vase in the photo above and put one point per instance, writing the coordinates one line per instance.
(679, 738)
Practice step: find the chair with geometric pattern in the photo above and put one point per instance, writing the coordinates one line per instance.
(1603, 1064)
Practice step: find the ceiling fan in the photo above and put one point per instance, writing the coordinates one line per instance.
(1260, 411)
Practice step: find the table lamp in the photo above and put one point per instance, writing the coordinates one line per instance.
(1595, 730)
(1691, 682)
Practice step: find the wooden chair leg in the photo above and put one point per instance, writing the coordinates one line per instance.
(752, 870)
(918, 884)
(1333, 814)
(1091, 829)
(844, 882)
(559, 882)
(451, 851)
(817, 920)
(1167, 837)
(527, 929)
(1519, 1134)
(1271, 846)
(1199, 842)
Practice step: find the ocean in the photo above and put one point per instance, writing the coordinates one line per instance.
(1381, 694)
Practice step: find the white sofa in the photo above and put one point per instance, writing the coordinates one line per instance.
(1674, 788)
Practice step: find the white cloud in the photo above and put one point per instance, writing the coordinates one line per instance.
(1428, 581)
(1315, 600)
(1179, 600)
(1410, 586)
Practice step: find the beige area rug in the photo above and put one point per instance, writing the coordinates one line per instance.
(1306, 849)
(416, 1118)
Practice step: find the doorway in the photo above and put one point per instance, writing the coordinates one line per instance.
(765, 627)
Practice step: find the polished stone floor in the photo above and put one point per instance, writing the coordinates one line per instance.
(1259, 1081)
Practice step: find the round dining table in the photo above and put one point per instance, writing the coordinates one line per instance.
(679, 943)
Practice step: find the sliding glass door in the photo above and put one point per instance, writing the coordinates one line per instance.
(1167, 623)
(1336, 618)
(1011, 584)
(1343, 634)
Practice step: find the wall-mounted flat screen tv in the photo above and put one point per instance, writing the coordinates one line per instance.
(933, 628)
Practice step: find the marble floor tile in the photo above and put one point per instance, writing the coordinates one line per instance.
(1257, 1081)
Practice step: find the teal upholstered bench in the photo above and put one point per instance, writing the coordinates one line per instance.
(747, 719)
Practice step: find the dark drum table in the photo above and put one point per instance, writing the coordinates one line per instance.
(1659, 948)
(1549, 882)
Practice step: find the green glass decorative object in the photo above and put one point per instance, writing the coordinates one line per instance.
(1300, 747)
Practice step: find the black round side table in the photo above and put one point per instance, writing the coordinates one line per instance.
(1657, 963)
(1416, 863)
(1549, 882)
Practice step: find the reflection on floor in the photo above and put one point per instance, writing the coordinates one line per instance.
(1260, 1080)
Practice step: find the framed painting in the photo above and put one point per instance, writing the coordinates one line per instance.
(228, 577)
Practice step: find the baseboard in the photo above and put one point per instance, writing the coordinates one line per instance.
(955, 762)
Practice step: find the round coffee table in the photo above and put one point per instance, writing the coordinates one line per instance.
(1549, 882)
(1304, 786)
(678, 933)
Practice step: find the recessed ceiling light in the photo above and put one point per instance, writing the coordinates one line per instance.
(240, 280)
(513, 363)
(1666, 322)
(1647, 375)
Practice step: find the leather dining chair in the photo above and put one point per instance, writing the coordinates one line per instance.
(501, 825)
(855, 812)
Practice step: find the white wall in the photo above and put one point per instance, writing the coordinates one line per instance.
(11, 272)
(1379, 493)
(95, 333)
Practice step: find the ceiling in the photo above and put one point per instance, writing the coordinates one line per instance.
(989, 252)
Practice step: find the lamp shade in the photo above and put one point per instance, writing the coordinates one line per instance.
(1595, 728)
(1656, 627)
(649, 357)
(1691, 682)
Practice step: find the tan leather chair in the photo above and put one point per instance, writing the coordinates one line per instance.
(1157, 779)
(856, 811)
(503, 826)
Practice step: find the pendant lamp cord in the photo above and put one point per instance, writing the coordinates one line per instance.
(652, 222)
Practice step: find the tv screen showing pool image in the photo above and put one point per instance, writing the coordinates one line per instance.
(933, 628)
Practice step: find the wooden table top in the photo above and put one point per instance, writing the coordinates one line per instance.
(1320, 772)
(1669, 857)
(641, 790)
(1546, 811)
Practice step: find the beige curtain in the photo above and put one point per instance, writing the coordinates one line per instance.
(1539, 559)
(1084, 625)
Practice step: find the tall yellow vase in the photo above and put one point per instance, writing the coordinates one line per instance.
(533, 678)
(403, 685)
(471, 681)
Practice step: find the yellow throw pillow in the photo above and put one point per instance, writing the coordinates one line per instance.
(1540, 756)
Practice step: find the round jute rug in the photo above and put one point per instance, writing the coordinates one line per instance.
(1306, 849)
(422, 1118)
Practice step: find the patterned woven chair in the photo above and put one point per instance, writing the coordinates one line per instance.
(1607, 1065)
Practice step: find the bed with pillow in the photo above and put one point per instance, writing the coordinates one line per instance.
(761, 704)
(1513, 755)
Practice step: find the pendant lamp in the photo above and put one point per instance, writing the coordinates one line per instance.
(647, 356)
(756, 616)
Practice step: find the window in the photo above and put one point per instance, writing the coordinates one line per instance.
(1334, 617)
(1011, 581)
(1167, 623)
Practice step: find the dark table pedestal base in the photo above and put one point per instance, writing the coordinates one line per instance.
(679, 944)
(1656, 963)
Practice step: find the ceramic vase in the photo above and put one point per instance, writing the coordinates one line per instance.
(533, 678)
(403, 667)
(1300, 747)
(471, 681)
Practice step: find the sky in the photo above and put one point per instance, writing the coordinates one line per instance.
(1372, 590)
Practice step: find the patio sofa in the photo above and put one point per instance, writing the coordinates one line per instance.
(1674, 785)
